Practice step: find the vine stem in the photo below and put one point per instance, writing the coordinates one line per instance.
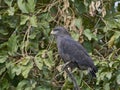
(26, 36)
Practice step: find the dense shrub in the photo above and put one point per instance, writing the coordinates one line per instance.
(28, 54)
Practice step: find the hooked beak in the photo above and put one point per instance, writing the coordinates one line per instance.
(54, 32)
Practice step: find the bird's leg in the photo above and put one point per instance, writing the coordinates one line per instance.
(65, 65)
(76, 87)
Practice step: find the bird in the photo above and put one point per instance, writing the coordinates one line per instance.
(72, 52)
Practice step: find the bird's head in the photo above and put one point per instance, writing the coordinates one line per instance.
(59, 31)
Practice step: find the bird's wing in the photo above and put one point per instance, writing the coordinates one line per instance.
(73, 51)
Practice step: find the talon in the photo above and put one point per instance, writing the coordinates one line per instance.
(65, 65)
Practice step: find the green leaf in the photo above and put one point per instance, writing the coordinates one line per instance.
(88, 46)
(49, 61)
(102, 75)
(12, 44)
(117, 34)
(89, 34)
(24, 19)
(80, 4)
(111, 63)
(10, 65)
(32, 36)
(22, 84)
(5, 84)
(33, 21)
(3, 58)
(16, 69)
(2, 69)
(118, 79)
(42, 88)
(26, 6)
(25, 60)
(8, 2)
(22, 6)
(107, 86)
(78, 22)
(110, 24)
(109, 75)
(30, 5)
(39, 62)
(26, 85)
(3, 32)
(75, 36)
(26, 69)
(11, 11)
(24, 66)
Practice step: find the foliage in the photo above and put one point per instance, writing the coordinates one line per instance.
(28, 57)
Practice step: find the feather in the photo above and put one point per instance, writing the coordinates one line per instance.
(71, 50)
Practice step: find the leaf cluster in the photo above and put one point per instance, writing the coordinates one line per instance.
(28, 54)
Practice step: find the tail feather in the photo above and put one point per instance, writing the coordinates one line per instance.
(93, 71)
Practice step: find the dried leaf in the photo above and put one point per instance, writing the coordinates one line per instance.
(103, 12)
(97, 5)
(92, 9)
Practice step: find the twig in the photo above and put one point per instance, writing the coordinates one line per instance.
(76, 87)
(87, 85)
(25, 43)
(99, 53)
(97, 22)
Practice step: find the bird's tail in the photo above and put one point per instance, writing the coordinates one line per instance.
(93, 71)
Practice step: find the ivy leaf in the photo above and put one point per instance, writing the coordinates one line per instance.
(118, 79)
(89, 34)
(78, 22)
(2, 69)
(109, 75)
(30, 5)
(12, 44)
(42, 88)
(22, 6)
(26, 85)
(8, 2)
(22, 84)
(49, 61)
(16, 69)
(33, 21)
(26, 6)
(75, 36)
(25, 69)
(79, 4)
(5, 84)
(110, 24)
(39, 62)
(3, 58)
(107, 86)
(10, 65)
(24, 19)
(88, 46)
(11, 11)
(25, 60)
